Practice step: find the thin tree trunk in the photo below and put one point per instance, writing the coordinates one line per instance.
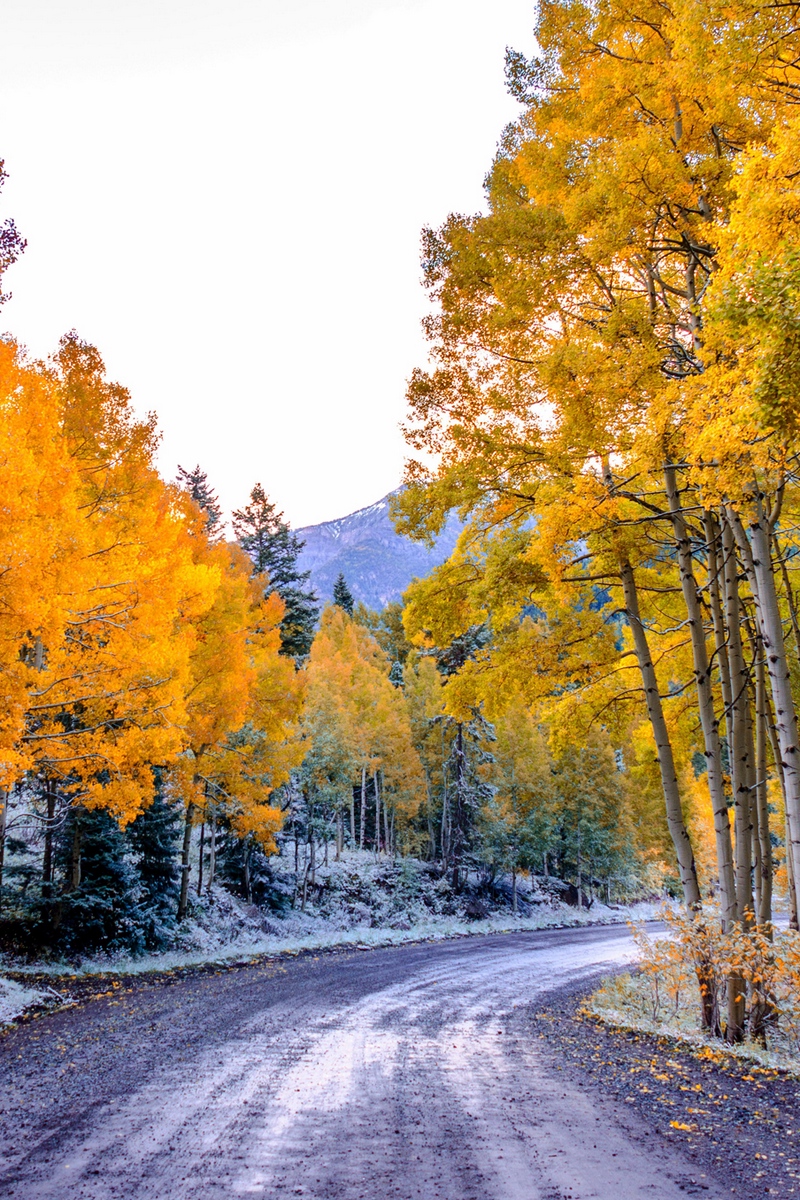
(755, 553)
(741, 766)
(248, 883)
(47, 861)
(714, 547)
(312, 862)
(339, 834)
(183, 901)
(200, 862)
(386, 831)
(580, 876)
(352, 820)
(212, 848)
(459, 814)
(362, 831)
(75, 857)
(666, 762)
(765, 868)
(3, 822)
(377, 813)
(772, 736)
(705, 700)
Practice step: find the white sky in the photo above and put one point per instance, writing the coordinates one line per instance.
(226, 197)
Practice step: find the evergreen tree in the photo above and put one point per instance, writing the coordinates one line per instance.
(195, 482)
(266, 537)
(155, 838)
(343, 596)
(98, 904)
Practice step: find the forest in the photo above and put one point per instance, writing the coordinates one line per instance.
(599, 686)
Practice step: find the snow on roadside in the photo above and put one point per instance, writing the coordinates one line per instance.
(15, 999)
(290, 937)
(620, 1004)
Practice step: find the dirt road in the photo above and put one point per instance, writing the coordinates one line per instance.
(391, 1075)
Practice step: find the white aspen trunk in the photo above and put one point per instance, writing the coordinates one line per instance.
(713, 548)
(377, 813)
(580, 879)
(741, 773)
(212, 848)
(705, 701)
(666, 762)
(387, 838)
(776, 758)
(200, 858)
(755, 552)
(3, 820)
(183, 900)
(363, 807)
(764, 873)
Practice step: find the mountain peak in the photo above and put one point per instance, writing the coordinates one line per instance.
(377, 562)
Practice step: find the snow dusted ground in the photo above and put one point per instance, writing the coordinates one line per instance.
(356, 902)
(15, 999)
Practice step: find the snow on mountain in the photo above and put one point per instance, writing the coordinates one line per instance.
(377, 562)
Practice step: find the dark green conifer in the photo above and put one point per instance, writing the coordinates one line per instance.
(266, 537)
(195, 482)
(343, 596)
(97, 907)
(155, 839)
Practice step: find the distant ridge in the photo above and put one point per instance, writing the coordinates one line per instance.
(376, 561)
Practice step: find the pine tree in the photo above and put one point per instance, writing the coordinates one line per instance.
(195, 482)
(98, 905)
(155, 838)
(267, 539)
(343, 596)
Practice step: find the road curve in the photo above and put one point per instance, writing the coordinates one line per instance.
(398, 1074)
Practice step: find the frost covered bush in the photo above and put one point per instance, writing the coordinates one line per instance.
(685, 976)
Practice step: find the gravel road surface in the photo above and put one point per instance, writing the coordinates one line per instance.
(392, 1074)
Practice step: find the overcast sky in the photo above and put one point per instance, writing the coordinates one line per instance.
(226, 197)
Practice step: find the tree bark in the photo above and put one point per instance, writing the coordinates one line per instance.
(75, 857)
(741, 766)
(377, 813)
(183, 900)
(387, 835)
(3, 821)
(666, 762)
(705, 700)
(772, 736)
(755, 553)
(713, 549)
(248, 882)
(200, 861)
(362, 831)
(212, 848)
(765, 867)
(50, 817)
